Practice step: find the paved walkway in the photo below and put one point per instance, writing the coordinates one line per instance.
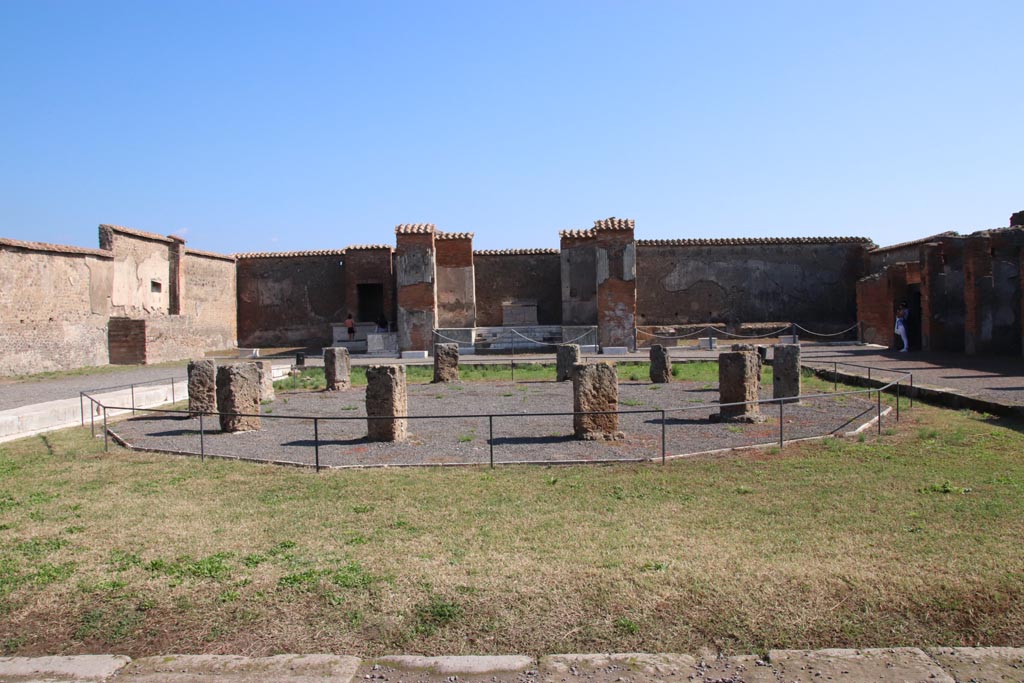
(903, 665)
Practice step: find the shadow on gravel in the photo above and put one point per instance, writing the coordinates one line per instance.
(527, 440)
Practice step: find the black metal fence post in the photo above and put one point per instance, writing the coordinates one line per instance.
(513, 357)
(490, 436)
(81, 406)
(835, 376)
(202, 446)
(316, 442)
(879, 394)
(92, 417)
(106, 436)
(911, 392)
(173, 401)
(133, 399)
(897, 401)
(782, 440)
(662, 437)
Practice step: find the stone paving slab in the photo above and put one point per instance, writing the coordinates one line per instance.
(981, 664)
(904, 664)
(81, 668)
(235, 669)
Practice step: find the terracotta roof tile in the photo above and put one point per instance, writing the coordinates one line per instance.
(453, 235)
(737, 241)
(290, 254)
(414, 228)
(54, 248)
(369, 247)
(515, 252)
(614, 223)
(577, 234)
(923, 240)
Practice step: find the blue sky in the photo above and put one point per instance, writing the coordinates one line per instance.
(252, 126)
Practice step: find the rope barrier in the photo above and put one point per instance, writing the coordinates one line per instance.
(517, 332)
(823, 334)
(688, 335)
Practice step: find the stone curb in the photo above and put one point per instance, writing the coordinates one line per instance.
(905, 664)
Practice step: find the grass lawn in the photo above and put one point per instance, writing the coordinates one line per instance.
(912, 538)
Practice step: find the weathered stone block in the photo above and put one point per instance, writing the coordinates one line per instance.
(266, 369)
(661, 364)
(786, 372)
(337, 368)
(238, 397)
(446, 362)
(386, 398)
(595, 388)
(739, 379)
(202, 387)
(566, 357)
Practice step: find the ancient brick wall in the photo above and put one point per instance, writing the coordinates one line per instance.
(369, 265)
(209, 299)
(126, 341)
(289, 299)
(518, 274)
(804, 280)
(54, 305)
(416, 282)
(877, 298)
(579, 277)
(942, 295)
(456, 282)
(616, 281)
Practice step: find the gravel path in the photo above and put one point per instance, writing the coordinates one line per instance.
(522, 438)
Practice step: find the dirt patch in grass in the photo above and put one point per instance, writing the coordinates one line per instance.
(911, 538)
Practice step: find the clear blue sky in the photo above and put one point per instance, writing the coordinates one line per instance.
(250, 126)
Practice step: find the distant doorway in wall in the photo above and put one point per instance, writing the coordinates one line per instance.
(370, 304)
(914, 317)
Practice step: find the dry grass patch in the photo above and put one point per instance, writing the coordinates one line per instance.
(908, 539)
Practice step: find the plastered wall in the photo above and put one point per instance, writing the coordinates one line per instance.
(806, 283)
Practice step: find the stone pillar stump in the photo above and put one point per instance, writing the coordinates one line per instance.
(567, 355)
(739, 379)
(266, 380)
(202, 387)
(595, 388)
(386, 398)
(238, 391)
(661, 364)
(337, 368)
(786, 372)
(446, 362)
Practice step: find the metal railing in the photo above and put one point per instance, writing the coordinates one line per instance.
(97, 407)
(82, 395)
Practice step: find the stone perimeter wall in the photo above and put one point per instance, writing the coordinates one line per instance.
(141, 297)
(807, 283)
(54, 306)
(525, 275)
(289, 300)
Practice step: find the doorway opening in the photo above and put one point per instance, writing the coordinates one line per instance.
(370, 302)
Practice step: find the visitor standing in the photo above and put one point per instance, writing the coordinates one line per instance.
(901, 325)
(350, 325)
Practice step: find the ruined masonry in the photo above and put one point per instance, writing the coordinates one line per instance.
(786, 372)
(202, 387)
(567, 355)
(238, 392)
(266, 380)
(595, 388)
(337, 368)
(739, 379)
(661, 364)
(386, 398)
(446, 362)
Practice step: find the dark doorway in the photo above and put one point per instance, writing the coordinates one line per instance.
(370, 305)
(914, 317)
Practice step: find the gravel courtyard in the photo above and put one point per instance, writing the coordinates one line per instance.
(518, 437)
